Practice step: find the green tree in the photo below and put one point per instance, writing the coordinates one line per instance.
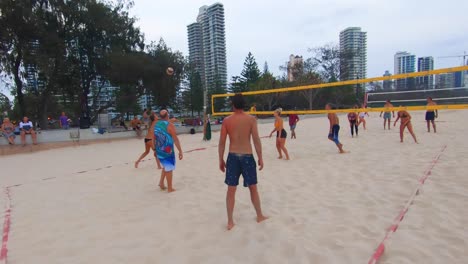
(127, 101)
(18, 27)
(219, 103)
(5, 104)
(163, 87)
(266, 102)
(326, 62)
(193, 96)
(250, 73)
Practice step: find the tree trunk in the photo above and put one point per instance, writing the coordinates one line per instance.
(43, 121)
(18, 82)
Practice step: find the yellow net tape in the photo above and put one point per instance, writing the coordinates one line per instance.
(350, 82)
(378, 109)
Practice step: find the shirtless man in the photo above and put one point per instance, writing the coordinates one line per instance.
(405, 123)
(387, 115)
(334, 129)
(431, 115)
(240, 127)
(165, 137)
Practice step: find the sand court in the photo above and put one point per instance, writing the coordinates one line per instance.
(88, 204)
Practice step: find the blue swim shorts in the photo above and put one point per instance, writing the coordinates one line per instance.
(238, 164)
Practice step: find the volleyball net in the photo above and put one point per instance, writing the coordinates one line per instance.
(409, 91)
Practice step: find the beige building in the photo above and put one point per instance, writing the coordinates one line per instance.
(295, 67)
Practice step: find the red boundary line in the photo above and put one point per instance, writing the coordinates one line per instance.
(6, 226)
(379, 251)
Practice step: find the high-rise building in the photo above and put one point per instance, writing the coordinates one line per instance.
(295, 67)
(425, 64)
(445, 80)
(353, 54)
(146, 101)
(207, 46)
(387, 84)
(404, 62)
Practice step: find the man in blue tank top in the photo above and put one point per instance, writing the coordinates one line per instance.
(165, 137)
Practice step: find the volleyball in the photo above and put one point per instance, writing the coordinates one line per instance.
(169, 71)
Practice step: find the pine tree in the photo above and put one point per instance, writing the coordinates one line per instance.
(250, 73)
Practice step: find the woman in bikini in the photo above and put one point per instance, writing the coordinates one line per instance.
(281, 134)
(405, 123)
(353, 122)
(8, 130)
(362, 117)
(149, 142)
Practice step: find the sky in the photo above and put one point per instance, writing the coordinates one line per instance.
(272, 30)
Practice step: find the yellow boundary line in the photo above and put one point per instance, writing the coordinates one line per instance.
(378, 109)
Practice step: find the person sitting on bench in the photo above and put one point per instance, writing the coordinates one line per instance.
(26, 127)
(8, 131)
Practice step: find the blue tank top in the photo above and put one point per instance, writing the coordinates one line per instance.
(164, 144)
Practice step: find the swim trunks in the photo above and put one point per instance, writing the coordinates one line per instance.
(430, 116)
(238, 164)
(283, 134)
(147, 140)
(164, 146)
(292, 127)
(334, 134)
(387, 116)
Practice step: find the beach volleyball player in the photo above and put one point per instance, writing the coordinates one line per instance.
(240, 128)
(431, 115)
(149, 141)
(334, 129)
(165, 137)
(387, 114)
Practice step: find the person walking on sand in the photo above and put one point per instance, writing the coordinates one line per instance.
(240, 128)
(165, 137)
(281, 135)
(293, 120)
(387, 114)
(405, 123)
(431, 115)
(362, 117)
(149, 142)
(334, 128)
(353, 122)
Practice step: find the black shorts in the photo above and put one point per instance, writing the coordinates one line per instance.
(147, 140)
(283, 134)
(430, 116)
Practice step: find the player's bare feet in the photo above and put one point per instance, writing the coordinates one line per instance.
(162, 187)
(136, 164)
(171, 190)
(230, 226)
(261, 218)
(280, 157)
(287, 158)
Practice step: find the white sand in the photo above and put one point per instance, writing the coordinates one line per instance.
(324, 207)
